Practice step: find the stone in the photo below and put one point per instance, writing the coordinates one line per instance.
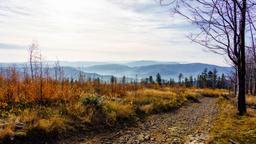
(152, 139)
(19, 126)
(175, 141)
(147, 137)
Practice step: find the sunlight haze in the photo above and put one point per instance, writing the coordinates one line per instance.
(98, 30)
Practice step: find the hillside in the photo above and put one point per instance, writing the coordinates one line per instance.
(133, 69)
(166, 70)
(68, 72)
(146, 63)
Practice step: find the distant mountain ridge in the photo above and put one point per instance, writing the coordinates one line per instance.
(167, 71)
(132, 69)
(147, 63)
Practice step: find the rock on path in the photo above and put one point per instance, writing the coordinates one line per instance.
(189, 124)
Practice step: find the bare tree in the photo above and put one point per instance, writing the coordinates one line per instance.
(33, 57)
(36, 66)
(41, 76)
(223, 29)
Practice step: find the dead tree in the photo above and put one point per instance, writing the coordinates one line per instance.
(33, 57)
(223, 26)
(32, 48)
(36, 67)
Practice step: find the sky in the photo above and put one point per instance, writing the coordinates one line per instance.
(97, 30)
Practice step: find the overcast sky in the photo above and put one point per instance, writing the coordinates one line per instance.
(97, 30)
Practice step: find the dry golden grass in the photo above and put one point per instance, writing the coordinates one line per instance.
(28, 116)
(50, 106)
(213, 92)
(147, 109)
(77, 111)
(7, 128)
(6, 132)
(251, 100)
(230, 127)
(90, 109)
(159, 100)
(119, 110)
(53, 124)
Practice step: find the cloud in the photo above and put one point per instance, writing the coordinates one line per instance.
(98, 29)
(10, 46)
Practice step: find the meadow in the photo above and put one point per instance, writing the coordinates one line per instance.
(232, 128)
(46, 109)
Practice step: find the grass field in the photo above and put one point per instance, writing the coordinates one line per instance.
(88, 111)
(231, 128)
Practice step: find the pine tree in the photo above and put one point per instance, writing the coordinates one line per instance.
(215, 75)
(191, 82)
(172, 81)
(209, 79)
(151, 80)
(124, 80)
(180, 78)
(113, 80)
(187, 84)
(158, 79)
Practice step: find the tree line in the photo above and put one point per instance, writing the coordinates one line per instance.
(206, 79)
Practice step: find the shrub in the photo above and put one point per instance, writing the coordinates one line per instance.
(53, 124)
(121, 110)
(92, 101)
(79, 113)
(28, 117)
(46, 130)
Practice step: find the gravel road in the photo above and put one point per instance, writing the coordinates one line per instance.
(189, 124)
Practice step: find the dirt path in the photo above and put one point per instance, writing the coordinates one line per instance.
(189, 124)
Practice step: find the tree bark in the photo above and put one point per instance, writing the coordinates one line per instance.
(241, 91)
(241, 64)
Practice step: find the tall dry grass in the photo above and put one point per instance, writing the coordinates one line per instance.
(51, 107)
(251, 100)
(231, 128)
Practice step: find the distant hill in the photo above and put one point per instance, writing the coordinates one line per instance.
(133, 69)
(173, 70)
(69, 72)
(166, 70)
(76, 63)
(146, 63)
(109, 69)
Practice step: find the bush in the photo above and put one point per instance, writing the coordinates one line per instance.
(53, 124)
(92, 101)
(119, 110)
(79, 113)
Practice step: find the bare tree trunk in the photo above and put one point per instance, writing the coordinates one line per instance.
(241, 90)
(31, 64)
(41, 81)
(254, 81)
(241, 62)
(236, 83)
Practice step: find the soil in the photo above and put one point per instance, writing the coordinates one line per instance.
(189, 124)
